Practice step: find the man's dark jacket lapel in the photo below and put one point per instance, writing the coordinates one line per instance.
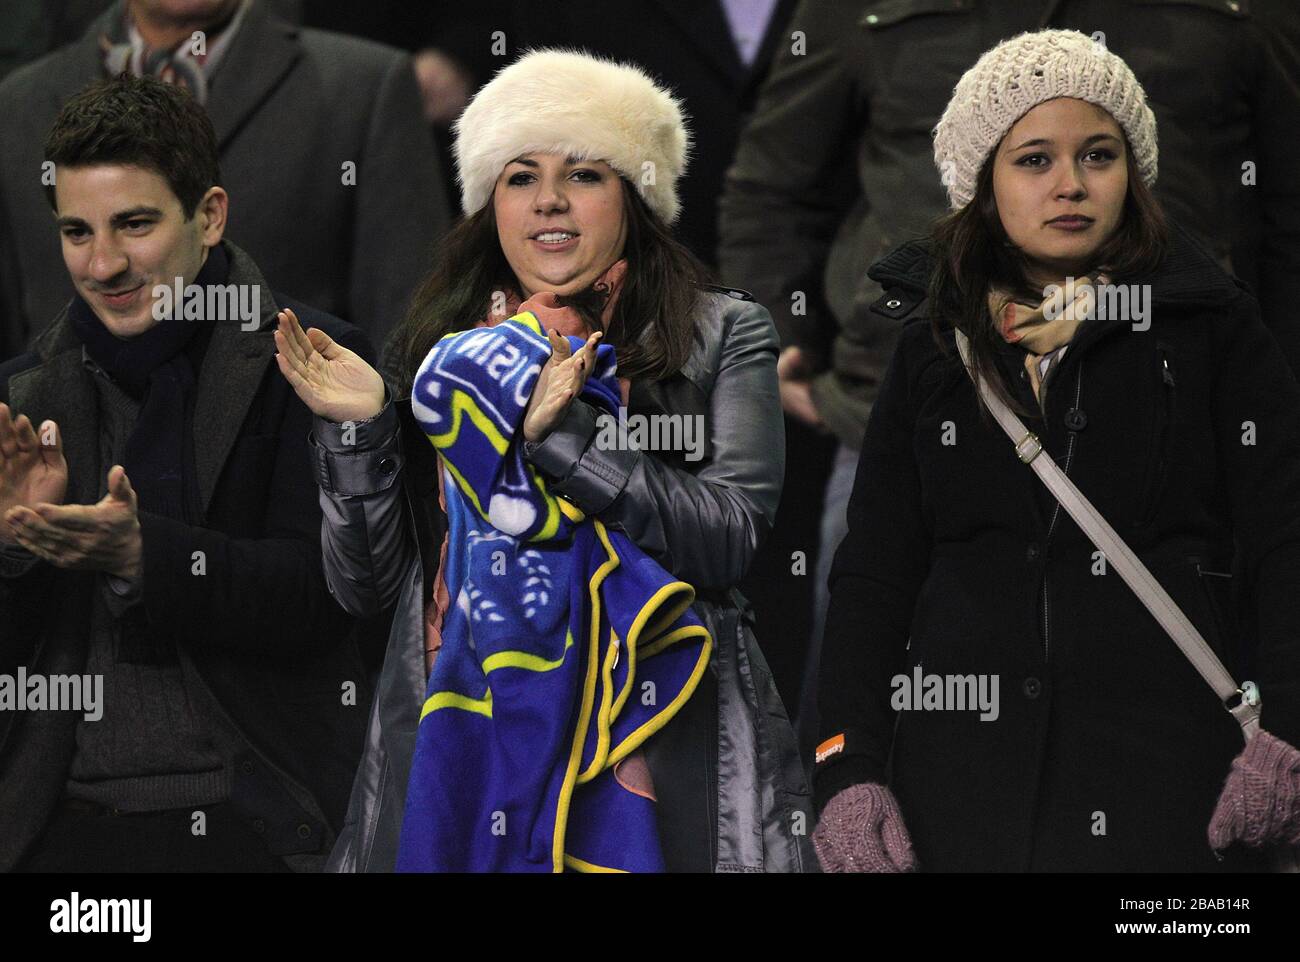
(233, 369)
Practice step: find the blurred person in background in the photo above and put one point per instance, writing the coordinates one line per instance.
(32, 28)
(455, 48)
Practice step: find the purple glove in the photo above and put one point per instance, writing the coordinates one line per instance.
(861, 830)
(1260, 802)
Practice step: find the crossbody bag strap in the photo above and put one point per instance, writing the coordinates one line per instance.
(1122, 559)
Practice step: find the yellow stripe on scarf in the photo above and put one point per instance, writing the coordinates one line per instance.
(451, 699)
(523, 660)
(526, 661)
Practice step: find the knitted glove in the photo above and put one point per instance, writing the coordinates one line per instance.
(1260, 802)
(861, 830)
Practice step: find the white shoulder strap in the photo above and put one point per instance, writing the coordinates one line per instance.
(1122, 559)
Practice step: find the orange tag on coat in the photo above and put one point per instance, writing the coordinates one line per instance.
(831, 746)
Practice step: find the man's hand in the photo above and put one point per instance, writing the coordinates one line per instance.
(32, 468)
(87, 537)
(559, 382)
(793, 372)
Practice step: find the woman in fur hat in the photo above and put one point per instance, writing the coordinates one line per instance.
(994, 695)
(568, 167)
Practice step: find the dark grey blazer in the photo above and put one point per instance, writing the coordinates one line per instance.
(290, 106)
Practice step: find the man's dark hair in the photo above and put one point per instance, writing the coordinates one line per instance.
(141, 122)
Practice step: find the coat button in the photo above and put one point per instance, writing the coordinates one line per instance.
(246, 768)
(259, 826)
(1075, 419)
(304, 830)
(1033, 551)
(387, 466)
(893, 303)
(1033, 688)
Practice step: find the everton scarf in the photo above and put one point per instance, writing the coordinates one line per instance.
(565, 649)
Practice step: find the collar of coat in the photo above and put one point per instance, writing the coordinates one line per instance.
(260, 54)
(1188, 276)
(58, 386)
(687, 391)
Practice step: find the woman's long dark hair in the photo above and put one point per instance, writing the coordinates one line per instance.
(972, 252)
(653, 323)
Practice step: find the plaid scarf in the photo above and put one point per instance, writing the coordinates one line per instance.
(1045, 330)
(189, 64)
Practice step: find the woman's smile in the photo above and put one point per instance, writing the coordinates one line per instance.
(554, 241)
(583, 221)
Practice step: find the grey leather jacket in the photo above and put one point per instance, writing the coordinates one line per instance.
(702, 519)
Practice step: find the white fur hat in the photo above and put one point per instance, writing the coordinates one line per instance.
(1018, 75)
(572, 103)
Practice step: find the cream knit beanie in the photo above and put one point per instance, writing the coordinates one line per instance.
(1018, 75)
(574, 104)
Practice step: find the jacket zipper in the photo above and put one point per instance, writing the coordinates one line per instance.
(1056, 510)
(1166, 414)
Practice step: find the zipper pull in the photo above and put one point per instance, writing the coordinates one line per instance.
(1166, 373)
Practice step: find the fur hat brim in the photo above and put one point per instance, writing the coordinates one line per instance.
(574, 104)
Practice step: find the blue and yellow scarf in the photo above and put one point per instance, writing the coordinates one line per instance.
(565, 648)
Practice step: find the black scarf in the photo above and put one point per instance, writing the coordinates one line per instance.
(157, 369)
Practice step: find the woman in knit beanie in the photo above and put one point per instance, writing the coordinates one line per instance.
(568, 166)
(994, 696)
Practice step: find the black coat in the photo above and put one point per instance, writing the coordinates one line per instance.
(960, 548)
(259, 630)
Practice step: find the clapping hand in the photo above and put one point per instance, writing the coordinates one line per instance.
(335, 383)
(32, 469)
(559, 382)
(87, 537)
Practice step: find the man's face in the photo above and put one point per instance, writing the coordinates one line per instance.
(124, 232)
